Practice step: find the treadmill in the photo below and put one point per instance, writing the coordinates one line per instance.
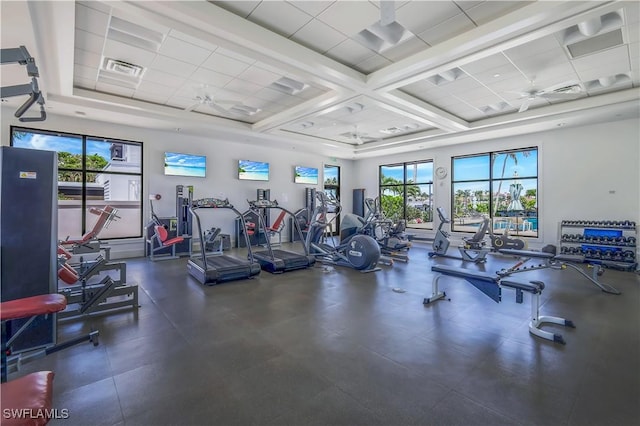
(277, 260)
(219, 268)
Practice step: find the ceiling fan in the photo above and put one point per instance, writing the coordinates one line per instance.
(204, 98)
(566, 91)
(356, 136)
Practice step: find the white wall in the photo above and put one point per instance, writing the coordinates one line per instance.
(222, 175)
(589, 172)
(578, 170)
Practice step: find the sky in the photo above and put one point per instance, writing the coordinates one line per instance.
(68, 144)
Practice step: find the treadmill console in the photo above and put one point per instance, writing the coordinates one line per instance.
(262, 203)
(211, 203)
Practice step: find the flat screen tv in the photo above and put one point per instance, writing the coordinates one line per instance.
(308, 175)
(253, 170)
(177, 164)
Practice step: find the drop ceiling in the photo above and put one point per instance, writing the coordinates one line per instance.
(350, 79)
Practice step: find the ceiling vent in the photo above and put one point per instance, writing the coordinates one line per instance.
(395, 130)
(446, 76)
(595, 34)
(386, 33)
(124, 68)
(119, 73)
(596, 44)
(493, 108)
(289, 86)
(244, 110)
(605, 82)
(133, 34)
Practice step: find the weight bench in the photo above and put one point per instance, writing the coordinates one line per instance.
(557, 261)
(28, 399)
(491, 285)
(31, 308)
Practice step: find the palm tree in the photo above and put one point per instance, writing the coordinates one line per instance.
(512, 155)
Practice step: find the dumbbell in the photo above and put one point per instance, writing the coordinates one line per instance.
(631, 241)
(564, 250)
(628, 255)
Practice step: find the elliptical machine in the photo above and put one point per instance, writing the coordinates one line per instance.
(391, 237)
(357, 251)
(472, 250)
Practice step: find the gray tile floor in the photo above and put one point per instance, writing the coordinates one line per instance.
(332, 346)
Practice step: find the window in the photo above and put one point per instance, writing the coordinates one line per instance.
(92, 172)
(502, 186)
(406, 191)
(332, 188)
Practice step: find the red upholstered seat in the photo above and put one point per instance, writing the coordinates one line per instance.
(31, 306)
(28, 399)
(163, 234)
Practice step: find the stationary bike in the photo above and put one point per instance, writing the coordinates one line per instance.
(472, 250)
(499, 242)
(355, 250)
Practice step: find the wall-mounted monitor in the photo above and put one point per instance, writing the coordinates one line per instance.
(253, 170)
(308, 175)
(177, 164)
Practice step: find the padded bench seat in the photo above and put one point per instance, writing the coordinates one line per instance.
(29, 399)
(491, 285)
(528, 253)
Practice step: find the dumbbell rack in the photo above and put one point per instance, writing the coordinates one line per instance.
(611, 243)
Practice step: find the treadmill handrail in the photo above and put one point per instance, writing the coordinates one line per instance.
(296, 224)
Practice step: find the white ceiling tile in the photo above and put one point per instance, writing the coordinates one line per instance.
(123, 52)
(280, 17)
(374, 63)
(180, 101)
(155, 97)
(617, 55)
(419, 16)
(634, 32)
(350, 17)
(89, 41)
(490, 10)
(172, 66)
(86, 58)
(312, 8)
(258, 75)
(99, 6)
(350, 52)
(243, 87)
(80, 71)
(516, 83)
(548, 44)
(91, 20)
(84, 83)
(234, 55)
(487, 63)
(467, 4)
(151, 87)
(604, 70)
(146, 24)
(632, 12)
(537, 65)
(450, 28)
(193, 40)
(318, 36)
(212, 78)
(163, 78)
(270, 95)
(183, 51)
(225, 64)
(240, 8)
(405, 49)
(114, 90)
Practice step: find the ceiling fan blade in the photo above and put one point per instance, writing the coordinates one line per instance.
(552, 95)
(525, 105)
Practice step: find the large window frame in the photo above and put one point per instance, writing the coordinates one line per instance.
(87, 183)
(414, 186)
(501, 185)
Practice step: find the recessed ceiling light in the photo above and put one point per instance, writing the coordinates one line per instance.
(178, 129)
(560, 124)
(496, 75)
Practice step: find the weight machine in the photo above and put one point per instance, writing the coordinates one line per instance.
(175, 237)
(21, 56)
